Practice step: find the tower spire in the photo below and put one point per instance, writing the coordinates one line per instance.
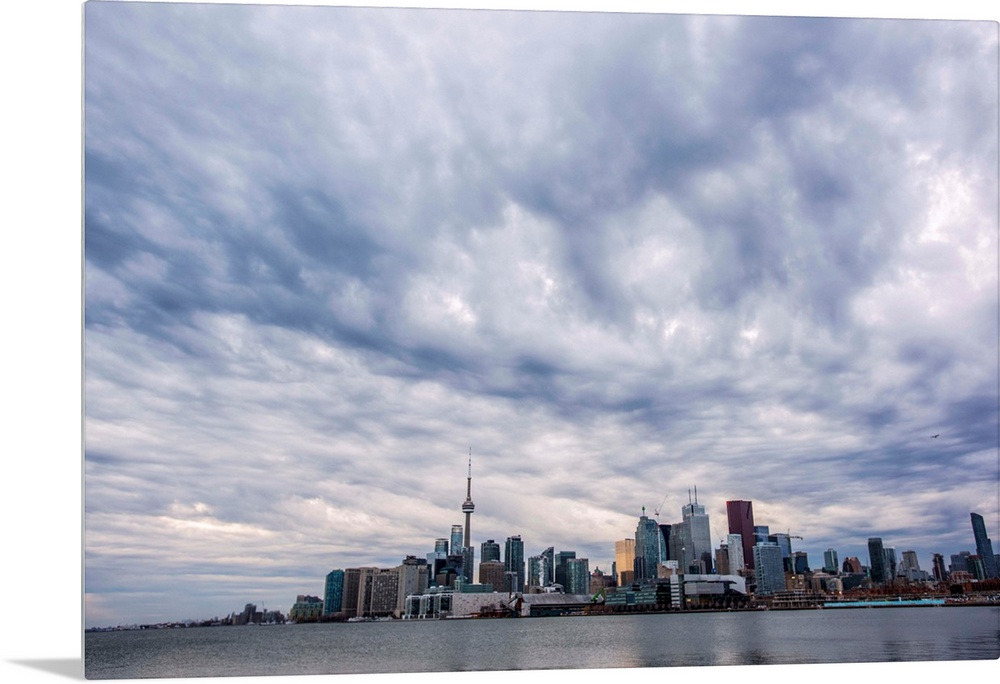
(468, 507)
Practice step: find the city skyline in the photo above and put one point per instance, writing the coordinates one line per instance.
(622, 256)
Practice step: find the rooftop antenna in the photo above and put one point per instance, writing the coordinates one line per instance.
(696, 493)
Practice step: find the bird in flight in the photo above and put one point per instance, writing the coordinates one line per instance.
(935, 436)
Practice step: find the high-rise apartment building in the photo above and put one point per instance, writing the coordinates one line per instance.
(352, 578)
(513, 561)
(550, 557)
(414, 578)
(722, 559)
(737, 564)
(768, 568)
(577, 576)
(333, 593)
(977, 567)
(984, 547)
(538, 571)
(561, 559)
(378, 592)
(740, 517)
(877, 561)
(959, 562)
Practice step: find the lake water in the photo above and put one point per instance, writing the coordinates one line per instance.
(657, 640)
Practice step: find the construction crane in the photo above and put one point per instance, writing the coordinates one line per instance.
(656, 511)
(790, 538)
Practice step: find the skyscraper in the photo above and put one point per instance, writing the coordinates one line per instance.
(740, 516)
(438, 559)
(984, 547)
(550, 558)
(937, 563)
(561, 560)
(890, 563)
(799, 562)
(648, 549)
(538, 571)
(876, 561)
(830, 563)
(489, 551)
(699, 534)
(625, 561)
(784, 542)
(910, 561)
(666, 531)
(468, 560)
(513, 563)
(492, 572)
(456, 540)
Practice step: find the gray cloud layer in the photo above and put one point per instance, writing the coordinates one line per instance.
(619, 255)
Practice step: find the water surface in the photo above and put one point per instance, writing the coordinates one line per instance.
(656, 640)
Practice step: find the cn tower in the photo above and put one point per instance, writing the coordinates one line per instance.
(468, 507)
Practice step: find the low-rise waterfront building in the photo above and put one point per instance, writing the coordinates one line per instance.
(444, 602)
(306, 609)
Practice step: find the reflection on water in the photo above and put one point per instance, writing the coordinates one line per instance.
(684, 639)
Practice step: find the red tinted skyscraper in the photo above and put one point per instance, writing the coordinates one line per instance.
(740, 515)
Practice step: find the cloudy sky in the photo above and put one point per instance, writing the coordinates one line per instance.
(619, 256)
